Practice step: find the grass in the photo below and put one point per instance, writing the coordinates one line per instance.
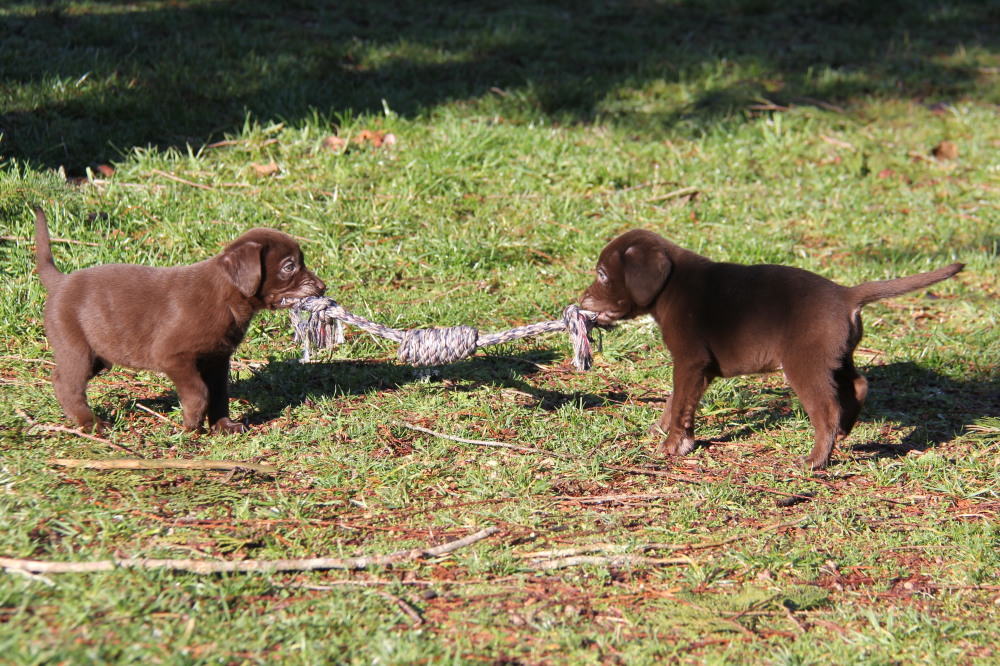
(528, 134)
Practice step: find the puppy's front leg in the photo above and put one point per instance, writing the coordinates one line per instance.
(215, 373)
(191, 389)
(690, 383)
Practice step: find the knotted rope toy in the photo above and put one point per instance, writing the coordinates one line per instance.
(318, 322)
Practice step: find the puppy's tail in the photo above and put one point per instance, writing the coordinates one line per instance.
(869, 292)
(47, 270)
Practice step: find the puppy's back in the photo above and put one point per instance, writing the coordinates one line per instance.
(135, 315)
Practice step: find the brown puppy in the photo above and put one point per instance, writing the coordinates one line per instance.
(723, 320)
(184, 321)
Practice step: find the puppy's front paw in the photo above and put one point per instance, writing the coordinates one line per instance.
(96, 427)
(808, 462)
(226, 426)
(675, 446)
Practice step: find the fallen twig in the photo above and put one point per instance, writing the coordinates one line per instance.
(32, 423)
(154, 413)
(600, 499)
(70, 241)
(684, 191)
(245, 566)
(653, 472)
(404, 606)
(165, 463)
(789, 499)
(181, 180)
(575, 554)
(543, 452)
(481, 442)
(240, 142)
(833, 141)
(801, 626)
(605, 560)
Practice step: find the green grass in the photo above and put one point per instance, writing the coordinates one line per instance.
(528, 134)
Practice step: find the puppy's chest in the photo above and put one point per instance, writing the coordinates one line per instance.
(236, 327)
(217, 333)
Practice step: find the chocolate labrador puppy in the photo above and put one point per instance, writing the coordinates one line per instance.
(723, 320)
(184, 321)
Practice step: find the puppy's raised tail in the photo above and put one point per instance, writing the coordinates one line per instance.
(869, 292)
(47, 270)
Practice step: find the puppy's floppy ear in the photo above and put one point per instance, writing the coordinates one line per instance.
(243, 266)
(646, 271)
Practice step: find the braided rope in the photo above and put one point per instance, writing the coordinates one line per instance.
(318, 322)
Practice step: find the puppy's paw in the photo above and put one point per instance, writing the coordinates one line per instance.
(226, 426)
(96, 427)
(809, 463)
(675, 446)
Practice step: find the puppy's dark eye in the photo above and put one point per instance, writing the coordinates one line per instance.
(288, 267)
(602, 277)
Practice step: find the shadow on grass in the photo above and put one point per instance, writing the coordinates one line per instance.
(286, 384)
(84, 82)
(932, 407)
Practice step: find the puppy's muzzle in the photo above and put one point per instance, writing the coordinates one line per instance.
(311, 286)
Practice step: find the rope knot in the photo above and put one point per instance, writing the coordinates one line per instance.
(437, 346)
(579, 325)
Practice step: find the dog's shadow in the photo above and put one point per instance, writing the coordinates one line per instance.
(931, 407)
(928, 406)
(287, 384)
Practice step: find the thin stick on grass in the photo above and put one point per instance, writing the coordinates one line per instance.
(165, 463)
(543, 452)
(246, 566)
(32, 423)
(573, 553)
(600, 499)
(684, 191)
(181, 180)
(404, 606)
(606, 560)
(69, 241)
(482, 442)
(653, 472)
(154, 413)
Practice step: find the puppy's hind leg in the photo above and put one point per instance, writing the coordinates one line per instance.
(662, 424)
(818, 393)
(852, 389)
(75, 366)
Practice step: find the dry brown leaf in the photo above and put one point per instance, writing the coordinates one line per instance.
(334, 143)
(946, 150)
(377, 138)
(363, 135)
(265, 170)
